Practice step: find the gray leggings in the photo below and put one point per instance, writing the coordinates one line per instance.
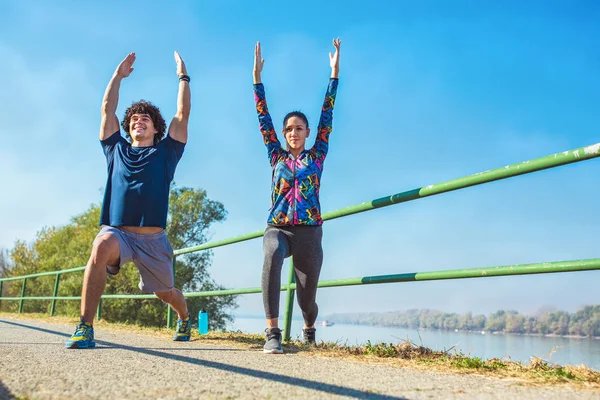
(303, 243)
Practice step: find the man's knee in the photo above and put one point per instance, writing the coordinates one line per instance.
(105, 249)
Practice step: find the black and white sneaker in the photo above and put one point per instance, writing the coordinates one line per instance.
(309, 335)
(273, 342)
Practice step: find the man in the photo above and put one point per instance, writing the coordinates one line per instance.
(136, 199)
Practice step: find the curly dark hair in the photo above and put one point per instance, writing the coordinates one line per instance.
(145, 107)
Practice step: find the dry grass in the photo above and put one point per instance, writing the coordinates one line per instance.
(405, 354)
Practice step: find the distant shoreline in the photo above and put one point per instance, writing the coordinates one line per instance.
(583, 323)
(443, 330)
(475, 332)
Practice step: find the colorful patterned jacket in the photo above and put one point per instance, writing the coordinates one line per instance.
(295, 186)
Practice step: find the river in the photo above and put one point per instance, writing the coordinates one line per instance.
(561, 350)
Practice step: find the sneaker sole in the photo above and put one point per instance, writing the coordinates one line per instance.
(274, 351)
(179, 339)
(79, 345)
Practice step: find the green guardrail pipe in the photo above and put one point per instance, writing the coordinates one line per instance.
(508, 171)
(55, 293)
(169, 309)
(488, 272)
(60, 271)
(289, 303)
(219, 243)
(22, 295)
(99, 310)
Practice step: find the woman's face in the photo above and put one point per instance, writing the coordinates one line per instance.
(295, 133)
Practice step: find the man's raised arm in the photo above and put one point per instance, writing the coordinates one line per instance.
(178, 129)
(110, 122)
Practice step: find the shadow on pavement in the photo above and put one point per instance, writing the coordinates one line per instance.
(5, 393)
(305, 383)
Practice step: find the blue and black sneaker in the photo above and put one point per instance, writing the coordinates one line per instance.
(184, 330)
(309, 335)
(83, 338)
(273, 341)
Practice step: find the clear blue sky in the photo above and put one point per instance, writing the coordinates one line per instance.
(429, 91)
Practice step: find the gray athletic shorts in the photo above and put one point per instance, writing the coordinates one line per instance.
(151, 254)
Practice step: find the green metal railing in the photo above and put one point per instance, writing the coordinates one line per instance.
(551, 161)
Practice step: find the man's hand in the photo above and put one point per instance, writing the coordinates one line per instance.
(334, 60)
(110, 123)
(178, 129)
(126, 66)
(181, 70)
(258, 63)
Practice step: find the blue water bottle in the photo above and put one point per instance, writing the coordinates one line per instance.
(202, 322)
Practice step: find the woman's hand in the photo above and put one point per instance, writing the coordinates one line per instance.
(258, 64)
(334, 60)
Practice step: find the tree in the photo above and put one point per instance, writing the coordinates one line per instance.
(466, 321)
(497, 321)
(515, 322)
(479, 322)
(4, 270)
(4, 262)
(450, 321)
(191, 213)
(529, 325)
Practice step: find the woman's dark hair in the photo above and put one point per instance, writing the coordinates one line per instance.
(145, 107)
(298, 114)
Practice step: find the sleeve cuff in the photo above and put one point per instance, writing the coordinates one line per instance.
(175, 141)
(112, 139)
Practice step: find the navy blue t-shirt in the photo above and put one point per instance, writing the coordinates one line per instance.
(137, 189)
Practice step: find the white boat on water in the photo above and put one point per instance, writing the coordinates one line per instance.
(324, 323)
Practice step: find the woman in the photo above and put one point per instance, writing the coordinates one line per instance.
(294, 223)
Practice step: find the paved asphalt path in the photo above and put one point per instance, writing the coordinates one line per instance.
(34, 364)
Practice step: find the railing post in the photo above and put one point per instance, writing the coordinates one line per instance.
(22, 295)
(289, 304)
(1, 295)
(54, 294)
(169, 308)
(99, 310)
